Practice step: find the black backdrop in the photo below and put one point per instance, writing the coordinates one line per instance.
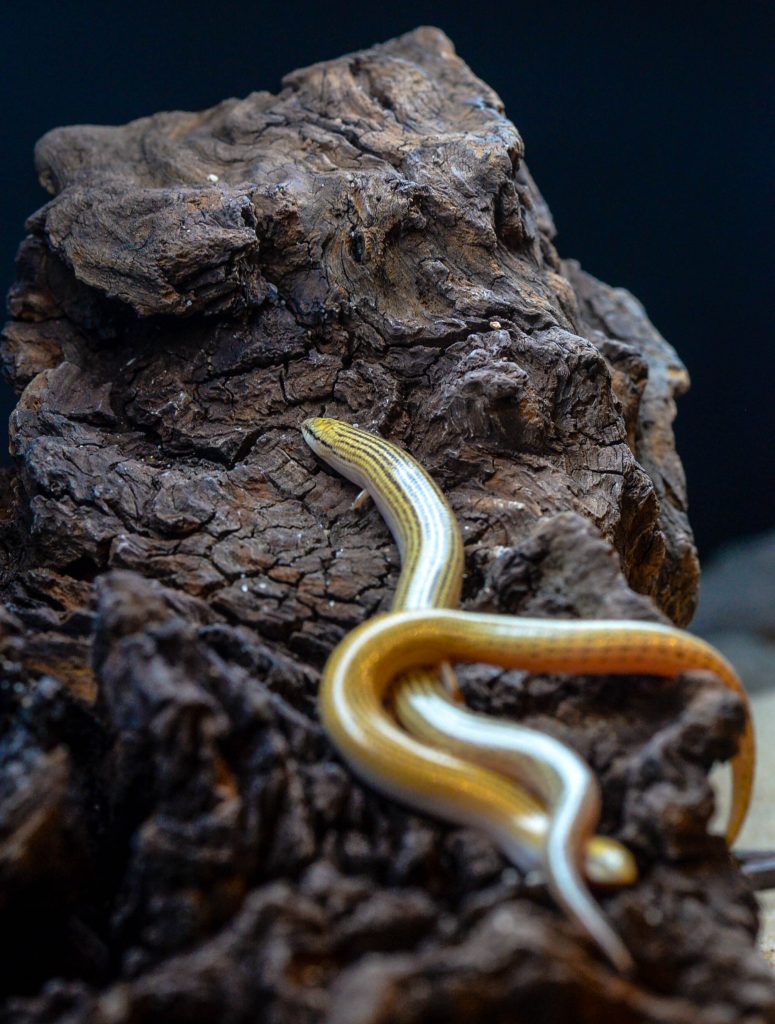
(648, 127)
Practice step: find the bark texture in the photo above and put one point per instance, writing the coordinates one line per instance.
(177, 840)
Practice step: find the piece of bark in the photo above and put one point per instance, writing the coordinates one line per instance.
(179, 840)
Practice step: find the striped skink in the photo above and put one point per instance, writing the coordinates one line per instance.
(464, 781)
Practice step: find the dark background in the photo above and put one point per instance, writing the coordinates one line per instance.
(648, 128)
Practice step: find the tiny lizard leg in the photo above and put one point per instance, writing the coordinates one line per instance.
(359, 501)
(450, 683)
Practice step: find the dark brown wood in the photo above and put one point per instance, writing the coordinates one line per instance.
(179, 841)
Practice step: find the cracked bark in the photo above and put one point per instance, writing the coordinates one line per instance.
(179, 842)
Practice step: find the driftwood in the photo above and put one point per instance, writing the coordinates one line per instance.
(179, 842)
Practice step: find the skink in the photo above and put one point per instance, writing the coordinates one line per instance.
(431, 550)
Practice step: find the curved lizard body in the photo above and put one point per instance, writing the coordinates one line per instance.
(433, 769)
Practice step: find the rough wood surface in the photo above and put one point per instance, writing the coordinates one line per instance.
(179, 842)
